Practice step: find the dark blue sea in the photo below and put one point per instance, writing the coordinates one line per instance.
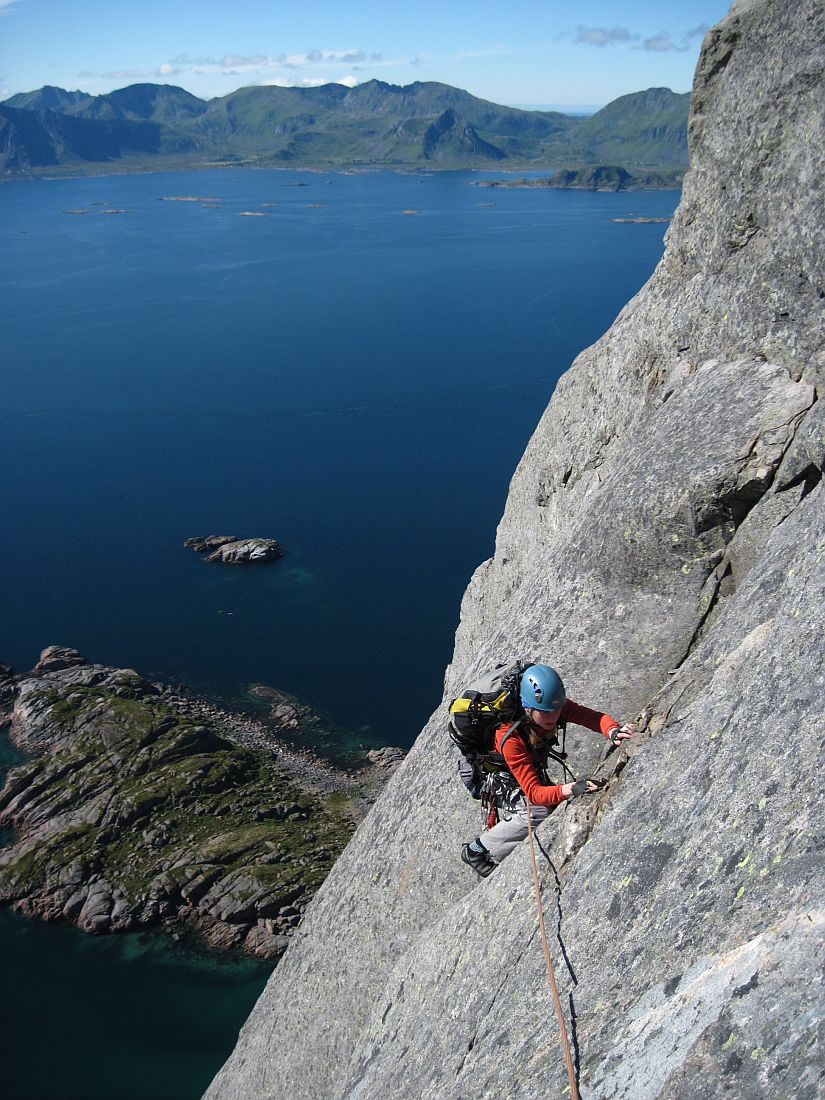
(352, 379)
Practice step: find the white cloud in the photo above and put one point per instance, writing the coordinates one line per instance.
(299, 70)
(123, 74)
(238, 64)
(328, 57)
(234, 60)
(662, 42)
(7, 7)
(229, 65)
(281, 82)
(308, 82)
(604, 36)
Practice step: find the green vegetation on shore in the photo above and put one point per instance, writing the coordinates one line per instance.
(129, 813)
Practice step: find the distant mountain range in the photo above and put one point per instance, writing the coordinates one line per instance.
(159, 125)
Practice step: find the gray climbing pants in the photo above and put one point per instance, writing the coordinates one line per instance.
(512, 827)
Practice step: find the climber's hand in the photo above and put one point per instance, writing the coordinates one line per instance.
(580, 787)
(621, 733)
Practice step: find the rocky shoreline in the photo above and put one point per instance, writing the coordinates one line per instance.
(139, 805)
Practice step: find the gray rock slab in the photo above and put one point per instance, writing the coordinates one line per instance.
(704, 868)
(656, 551)
(807, 454)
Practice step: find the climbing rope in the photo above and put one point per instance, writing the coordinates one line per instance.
(551, 975)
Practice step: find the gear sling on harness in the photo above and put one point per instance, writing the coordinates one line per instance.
(494, 787)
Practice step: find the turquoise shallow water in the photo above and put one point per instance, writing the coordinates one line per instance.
(115, 1018)
(355, 382)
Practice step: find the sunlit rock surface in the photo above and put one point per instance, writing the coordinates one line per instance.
(663, 545)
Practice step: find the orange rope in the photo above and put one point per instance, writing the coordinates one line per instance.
(551, 976)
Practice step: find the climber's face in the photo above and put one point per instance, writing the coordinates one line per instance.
(545, 719)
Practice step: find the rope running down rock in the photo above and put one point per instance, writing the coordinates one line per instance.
(551, 975)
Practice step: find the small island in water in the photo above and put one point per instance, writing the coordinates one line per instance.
(602, 177)
(234, 551)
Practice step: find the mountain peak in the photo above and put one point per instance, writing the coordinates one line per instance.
(332, 124)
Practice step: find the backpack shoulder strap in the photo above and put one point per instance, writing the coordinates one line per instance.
(513, 729)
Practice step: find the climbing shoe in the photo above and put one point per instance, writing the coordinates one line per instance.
(480, 862)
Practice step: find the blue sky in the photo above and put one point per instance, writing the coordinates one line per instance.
(536, 52)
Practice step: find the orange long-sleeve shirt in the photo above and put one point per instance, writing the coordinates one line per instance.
(520, 762)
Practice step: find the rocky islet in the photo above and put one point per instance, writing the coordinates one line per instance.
(231, 550)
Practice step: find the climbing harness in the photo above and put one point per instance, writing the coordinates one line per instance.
(499, 789)
(551, 975)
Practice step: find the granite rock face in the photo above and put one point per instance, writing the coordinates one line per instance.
(663, 545)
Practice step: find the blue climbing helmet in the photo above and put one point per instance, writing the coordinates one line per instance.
(542, 689)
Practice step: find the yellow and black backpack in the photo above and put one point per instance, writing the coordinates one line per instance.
(486, 703)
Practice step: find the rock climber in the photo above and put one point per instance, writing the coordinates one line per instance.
(523, 749)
